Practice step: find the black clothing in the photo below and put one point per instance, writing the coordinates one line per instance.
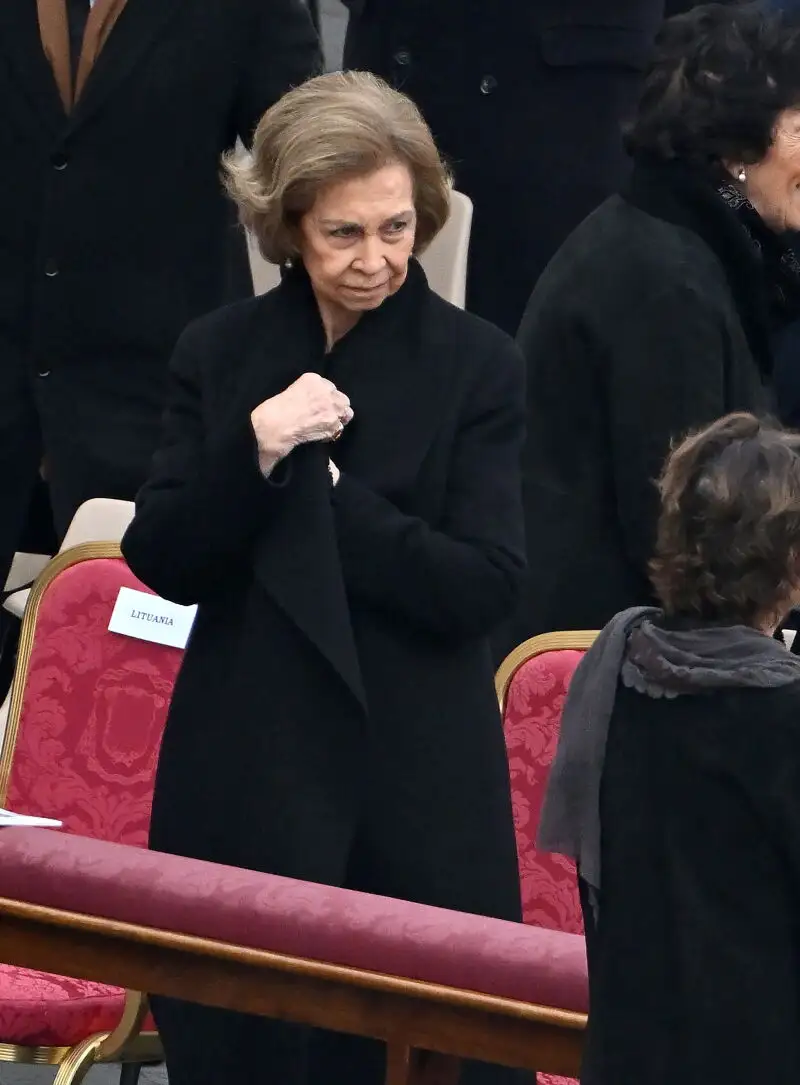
(649, 322)
(77, 15)
(337, 694)
(114, 231)
(526, 100)
(695, 960)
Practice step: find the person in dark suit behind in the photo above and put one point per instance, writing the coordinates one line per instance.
(658, 314)
(114, 231)
(676, 783)
(337, 696)
(526, 99)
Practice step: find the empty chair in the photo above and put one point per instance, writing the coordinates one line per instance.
(532, 685)
(102, 519)
(87, 712)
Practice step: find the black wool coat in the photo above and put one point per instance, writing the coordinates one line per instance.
(114, 231)
(650, 321)
(526, 99)
(335, 717)
(694, 964)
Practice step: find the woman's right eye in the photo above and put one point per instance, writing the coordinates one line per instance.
(345, 231)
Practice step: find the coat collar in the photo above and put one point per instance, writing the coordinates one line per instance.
(120, 40)
(688, 197)
(54, 34)
(392, 365)
(21, 40)
(118, 34)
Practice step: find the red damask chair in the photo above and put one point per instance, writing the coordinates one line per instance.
(532, 685)
(85, 722)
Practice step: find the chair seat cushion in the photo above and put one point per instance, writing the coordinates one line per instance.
(38, 1009)
(300, 919)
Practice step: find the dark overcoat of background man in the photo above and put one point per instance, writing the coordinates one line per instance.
(114, 232)
(526, 98)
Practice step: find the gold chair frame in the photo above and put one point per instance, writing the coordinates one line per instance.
(576, 640)
(126, 1043)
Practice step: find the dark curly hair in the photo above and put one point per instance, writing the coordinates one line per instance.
(728, 545)
(719, 78)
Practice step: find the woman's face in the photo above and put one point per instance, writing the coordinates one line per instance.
(773, 184)
(357, 239)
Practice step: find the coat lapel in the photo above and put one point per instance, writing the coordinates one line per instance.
(297, 563)
(385, 365)
(296, 557)
(118, 36)
(54, 34)
(21, 39)
(393, 367)
(101, 21)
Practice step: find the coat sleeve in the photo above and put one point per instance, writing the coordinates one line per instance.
(284, 51)
(667, 364)
(461, 578)
(206, 499)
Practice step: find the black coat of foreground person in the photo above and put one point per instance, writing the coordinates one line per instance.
(676, 784)
(339, 489)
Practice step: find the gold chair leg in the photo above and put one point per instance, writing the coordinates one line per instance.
(79, 1061)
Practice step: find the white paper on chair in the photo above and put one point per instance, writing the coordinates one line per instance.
(19, 821)
(149, 617)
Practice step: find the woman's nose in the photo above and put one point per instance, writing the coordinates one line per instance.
(372, 257)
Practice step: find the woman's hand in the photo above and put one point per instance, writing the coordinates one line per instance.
(311, 409)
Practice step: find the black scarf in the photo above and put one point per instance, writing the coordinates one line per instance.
(762, 270)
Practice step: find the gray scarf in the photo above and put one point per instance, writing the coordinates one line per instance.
(657, 662)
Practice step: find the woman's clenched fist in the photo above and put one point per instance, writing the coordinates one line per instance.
(311, 409)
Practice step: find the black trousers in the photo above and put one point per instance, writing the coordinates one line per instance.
(206, 1046)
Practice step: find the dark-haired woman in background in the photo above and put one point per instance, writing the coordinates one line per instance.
(658, 314)
(676, 785)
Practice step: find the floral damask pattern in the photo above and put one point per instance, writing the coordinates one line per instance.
(39, 1009)
(90, 727)
(531, 721)
(93, 712)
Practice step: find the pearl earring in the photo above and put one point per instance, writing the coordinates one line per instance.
(741, 176)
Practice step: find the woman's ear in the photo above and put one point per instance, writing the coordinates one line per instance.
(737, 171)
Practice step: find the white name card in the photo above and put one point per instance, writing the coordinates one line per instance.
(148, 617)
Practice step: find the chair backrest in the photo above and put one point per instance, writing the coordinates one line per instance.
(88, 706)
(532, 685)
(101, 519)
(444, 261)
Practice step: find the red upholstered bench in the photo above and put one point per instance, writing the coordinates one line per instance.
(106, 911)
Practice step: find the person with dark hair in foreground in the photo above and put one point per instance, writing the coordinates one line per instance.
(676, 784)
(658, 314)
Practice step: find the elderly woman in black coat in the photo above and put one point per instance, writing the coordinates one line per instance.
(339, 489)
(658, 314)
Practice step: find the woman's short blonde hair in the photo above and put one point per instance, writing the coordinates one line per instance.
(340, 125)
